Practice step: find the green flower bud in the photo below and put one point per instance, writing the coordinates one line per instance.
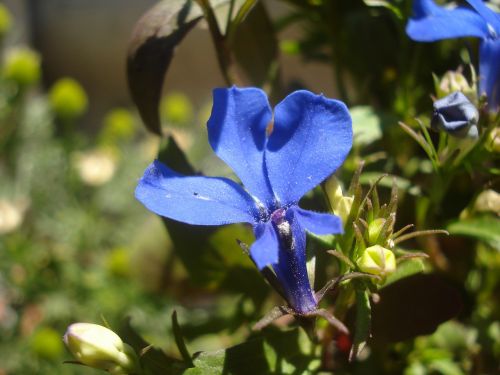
(455, 81)
(5, 20)
(99, 347)
(374, 229)
(377, 260)
(176, 108)
(340, 204)
(118, 262)
(118, 124)
(22, 65)
(68, 99)
(493, 141)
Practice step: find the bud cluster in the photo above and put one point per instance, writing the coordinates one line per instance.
(368, 242)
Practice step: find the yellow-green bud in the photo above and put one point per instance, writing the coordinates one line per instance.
(5, 20)
(99, 347)
(492, 143)
(377, 260)
(118, 124)
(340, 204)
(22, 65)
(176, 108)
(374, 229)
(68, 98)
(455, 81)
(488, 201)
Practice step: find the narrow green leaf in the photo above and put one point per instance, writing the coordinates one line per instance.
(485, 228)
(179, 340)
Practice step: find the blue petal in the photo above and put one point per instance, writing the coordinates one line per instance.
(431, 22)
(237, 133)
(492, 18)
(318, 223)
(264, 250)
(194, 200)
(489, 72)
(291, 269)
(312, 136)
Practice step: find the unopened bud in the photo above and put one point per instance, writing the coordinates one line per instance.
(340, 204)
(5, 20)
(99, 347)
(454, 81)
(456, 115)
(22, 65)
(488, 201)
(377, 260)
(493, 141)
(374, 229)
(68, 98)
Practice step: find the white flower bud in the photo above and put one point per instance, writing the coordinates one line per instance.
(99, 347)
(455, 81)
(341, 205)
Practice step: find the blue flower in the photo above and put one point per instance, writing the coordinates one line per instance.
(311, 136)
(431, 22)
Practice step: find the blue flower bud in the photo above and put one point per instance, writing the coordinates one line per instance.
(456, 115)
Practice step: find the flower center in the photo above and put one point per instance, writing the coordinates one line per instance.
(278, 216)
(283, 227)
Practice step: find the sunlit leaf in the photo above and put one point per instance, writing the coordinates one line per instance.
(287, 352)
(485, 228)
(404, 269)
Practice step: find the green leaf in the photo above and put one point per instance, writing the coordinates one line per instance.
(288, 352)
(179, 339)
(404, 269)
(366, 125)
(151, 50)
(485, 228)
(363, 323)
